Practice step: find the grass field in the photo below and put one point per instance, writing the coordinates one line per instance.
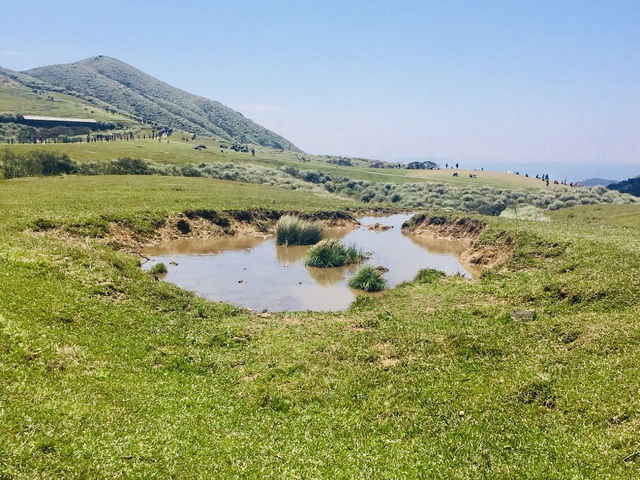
(494, 179)
(181, 152)
(16, 98)
(108, 373)
(619, 215)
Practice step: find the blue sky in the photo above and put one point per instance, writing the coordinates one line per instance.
(499, 84)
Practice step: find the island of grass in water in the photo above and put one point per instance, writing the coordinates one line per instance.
(253, 272)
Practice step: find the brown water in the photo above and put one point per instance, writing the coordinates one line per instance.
(254, 272)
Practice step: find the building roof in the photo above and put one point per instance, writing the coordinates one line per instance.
(59, 119)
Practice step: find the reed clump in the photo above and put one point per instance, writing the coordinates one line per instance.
(292, 230)
(333, 253)
(368, 279)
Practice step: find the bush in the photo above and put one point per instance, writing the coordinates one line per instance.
(158, 269)
(428, 275)
(129, 166)
(36, 163)
(295, 231)
(332, 253)
(368, 279)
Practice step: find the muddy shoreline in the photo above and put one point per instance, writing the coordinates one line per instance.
(478, 254)
(203, 224)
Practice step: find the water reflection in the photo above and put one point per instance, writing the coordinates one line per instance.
(288, 255)
(253, 272)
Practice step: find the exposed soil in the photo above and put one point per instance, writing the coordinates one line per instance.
(193, 224)
(466, 229)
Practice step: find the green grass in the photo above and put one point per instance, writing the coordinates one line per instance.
(493, 179)
(368, 279)
(16, 98)
(429, 275)
(177, 151)
(332, 253)
(621, 215)
(158, 269)
(140, 200)
(292, 230)
(106, 372)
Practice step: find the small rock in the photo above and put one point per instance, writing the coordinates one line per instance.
(240, 281)
(381, 270)
(240, 340)
(264, 315)
(175, 264)
(523, 315)
(379, 227)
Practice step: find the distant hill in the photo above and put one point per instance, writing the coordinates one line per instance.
(631, 186)
(130, 90)
(593, 182)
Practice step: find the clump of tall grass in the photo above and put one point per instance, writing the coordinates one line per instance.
(368, 279)
(332, 253)
(292, 230)
(158, 269)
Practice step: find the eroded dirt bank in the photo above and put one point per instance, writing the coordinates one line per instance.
(190, 224)
(479, 254)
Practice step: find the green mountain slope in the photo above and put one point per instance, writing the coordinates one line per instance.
(152, 100)
(26, 95)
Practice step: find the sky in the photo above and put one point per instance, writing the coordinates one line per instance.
(510, 85)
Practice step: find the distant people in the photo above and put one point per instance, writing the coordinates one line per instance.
(456, 165)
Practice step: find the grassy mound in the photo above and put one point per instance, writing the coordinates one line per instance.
(368, 279)
(292, 230)
(332, 253)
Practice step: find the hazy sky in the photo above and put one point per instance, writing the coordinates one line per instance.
(483, 83)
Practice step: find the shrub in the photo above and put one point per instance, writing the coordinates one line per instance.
(332, 253)
(130, 166)
(158, 269)
(292, 230)
(36, 163)
(368, 279)
(429, 275)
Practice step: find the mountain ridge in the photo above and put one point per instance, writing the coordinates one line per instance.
(130, 89)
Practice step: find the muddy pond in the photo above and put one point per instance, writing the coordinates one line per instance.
(253, 272)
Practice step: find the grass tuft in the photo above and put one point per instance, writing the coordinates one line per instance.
(332, 253)
(429, 275)
(292, 230)
(368, 279)
(158, 269)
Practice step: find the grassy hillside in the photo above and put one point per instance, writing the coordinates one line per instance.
(17, 96)
(106, 372)
(618, 215)
(132, 90)
(495, 179)
(181, 152)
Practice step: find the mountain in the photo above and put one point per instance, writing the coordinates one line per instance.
(631, 186)
(131, 90)
(592, 182)
(22, 94)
